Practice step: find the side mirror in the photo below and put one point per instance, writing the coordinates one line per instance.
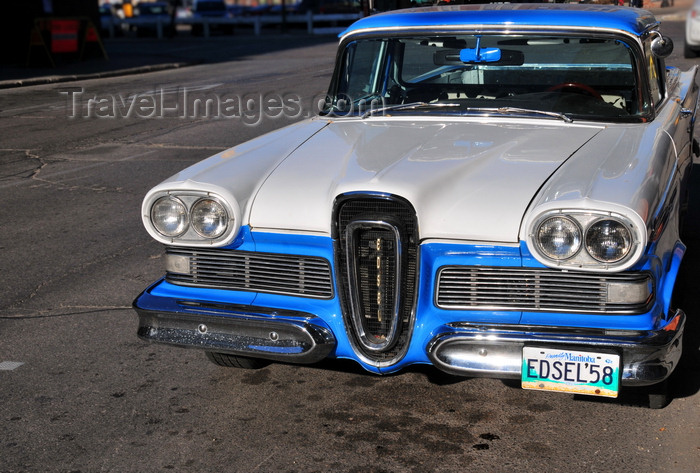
(661, 46)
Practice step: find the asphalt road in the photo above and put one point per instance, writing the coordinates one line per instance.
(80, 393)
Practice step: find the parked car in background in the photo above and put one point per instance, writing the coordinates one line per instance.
(330, 6)
(290, 8)
(493, 190)
(152, 9)
(208, 10)
(238, 10)
(692, 31)
(109, 21)
(148, 14)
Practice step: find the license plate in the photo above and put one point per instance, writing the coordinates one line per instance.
(571, 371)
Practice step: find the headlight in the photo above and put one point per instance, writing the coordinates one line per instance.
(558, 238)
(587, 240)
(209, 218)
(169, 216)
(608, 241)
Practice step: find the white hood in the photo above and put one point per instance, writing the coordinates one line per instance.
(466, 179)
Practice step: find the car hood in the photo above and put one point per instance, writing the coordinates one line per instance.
(466, 179)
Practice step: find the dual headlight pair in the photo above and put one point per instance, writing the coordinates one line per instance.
(191, 217)
(584, 239)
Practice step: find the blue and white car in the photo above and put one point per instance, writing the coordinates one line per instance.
(494, 190)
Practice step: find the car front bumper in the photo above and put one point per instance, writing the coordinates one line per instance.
(495, 351)
(463, 348)
(277, 335)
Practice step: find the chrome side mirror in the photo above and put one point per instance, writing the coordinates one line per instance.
(661, 46)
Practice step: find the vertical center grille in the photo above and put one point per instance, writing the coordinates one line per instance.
(376, 253)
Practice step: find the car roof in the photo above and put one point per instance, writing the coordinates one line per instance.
(631, 20)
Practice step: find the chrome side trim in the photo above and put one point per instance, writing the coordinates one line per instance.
(495, 351)
(255, 332)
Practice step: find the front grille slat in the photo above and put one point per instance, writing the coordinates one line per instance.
(477, 288)
(294, 275)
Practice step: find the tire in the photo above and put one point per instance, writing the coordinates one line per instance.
(688, 52)
(658, 395)
(233, 361)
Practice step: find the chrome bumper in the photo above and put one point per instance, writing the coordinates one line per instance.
(284, 336)
(495, 351)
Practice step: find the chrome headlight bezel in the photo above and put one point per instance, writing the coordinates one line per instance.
(586, 258)
(194, 234)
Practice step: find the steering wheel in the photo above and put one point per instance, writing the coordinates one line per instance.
(587, 89)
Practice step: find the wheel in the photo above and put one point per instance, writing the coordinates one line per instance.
(576, 86)
(688, 51)
(233, 361)
(658, 395)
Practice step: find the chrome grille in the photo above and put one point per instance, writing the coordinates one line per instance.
(376, 260)
(256, 272)
(537, 290)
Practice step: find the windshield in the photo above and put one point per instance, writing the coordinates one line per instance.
(577, 77)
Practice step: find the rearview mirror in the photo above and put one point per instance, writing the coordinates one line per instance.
(470, 56)
(456, 57)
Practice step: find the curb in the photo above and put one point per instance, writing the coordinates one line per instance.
(9, 84)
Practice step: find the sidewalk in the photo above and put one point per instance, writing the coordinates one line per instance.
(141, 55)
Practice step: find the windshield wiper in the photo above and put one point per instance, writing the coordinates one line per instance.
(407, 106)
(500, 110)
(518, 110)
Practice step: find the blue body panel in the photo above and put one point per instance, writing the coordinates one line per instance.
(630, 20)
(430, 320)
